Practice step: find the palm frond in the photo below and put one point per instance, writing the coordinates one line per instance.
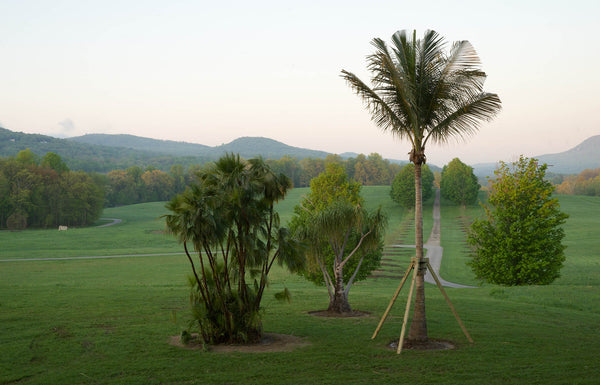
(465, 120)
(381, 112)
(392, 82)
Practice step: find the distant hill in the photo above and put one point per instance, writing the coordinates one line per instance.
(87, 157)
(583, 156)
(267, 148)
(144, 144)
(247, 147)
(573, 161)
(103, 152)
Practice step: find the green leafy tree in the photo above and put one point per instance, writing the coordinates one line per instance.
(345, 240)
(178, 176)
(424, 94)
(158, 186)
(288, 166)
(403, 185)
(311, 168)
(519, 243)
(27, 157)
(82, 199)
(332, 185)
(40, 196)
(228, 219)
(459, 184)
(372, 170)
(54, 162)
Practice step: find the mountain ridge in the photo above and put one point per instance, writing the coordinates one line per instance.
(246, 146)
(107, 150)
(585, 155)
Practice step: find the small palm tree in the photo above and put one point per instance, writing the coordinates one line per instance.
(424, 94)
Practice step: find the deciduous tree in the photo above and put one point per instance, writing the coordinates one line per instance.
(403, 185)
(459, 184)
(519, 242)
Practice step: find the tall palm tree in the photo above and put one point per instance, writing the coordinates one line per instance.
(424, 94)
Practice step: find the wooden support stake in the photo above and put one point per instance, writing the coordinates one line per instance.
(408, 301)
(412, 265)
(439, 285)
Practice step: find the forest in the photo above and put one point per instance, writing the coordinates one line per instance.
(42, 192)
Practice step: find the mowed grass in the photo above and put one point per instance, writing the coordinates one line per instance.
(107, 321)
(140, 232)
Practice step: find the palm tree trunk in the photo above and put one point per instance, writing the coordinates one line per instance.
(418, 326)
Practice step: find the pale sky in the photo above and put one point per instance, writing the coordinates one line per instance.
(211, 71)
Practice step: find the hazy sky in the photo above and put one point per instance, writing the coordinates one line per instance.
(212, 71)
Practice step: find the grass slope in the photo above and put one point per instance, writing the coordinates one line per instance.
(106, 321)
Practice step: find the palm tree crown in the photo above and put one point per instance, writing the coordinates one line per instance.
(421, 93)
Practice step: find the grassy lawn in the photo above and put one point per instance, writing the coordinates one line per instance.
(140, 232)
(107, 321)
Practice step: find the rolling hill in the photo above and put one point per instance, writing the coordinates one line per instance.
(87, 157)
(247, 147)
(104, 152)
(583, 156)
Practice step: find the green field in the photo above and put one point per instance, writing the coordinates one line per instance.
(107, 321)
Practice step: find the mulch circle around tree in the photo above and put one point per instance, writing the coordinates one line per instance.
(427, 345)
(332, 314)
(271, 342)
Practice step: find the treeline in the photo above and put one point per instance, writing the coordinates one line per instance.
(45, 193)
(136, 185)
(368, 170)
(585, 183)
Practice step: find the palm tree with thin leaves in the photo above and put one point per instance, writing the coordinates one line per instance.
(424, 94)
(232, 237)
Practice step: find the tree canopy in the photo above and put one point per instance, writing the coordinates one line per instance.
(47, 194)
(459, 184)
(519, 242)
(403, 185)
(345, 241)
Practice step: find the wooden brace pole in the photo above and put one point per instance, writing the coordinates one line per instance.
(439, 285)
(408, 302)
(387, 311)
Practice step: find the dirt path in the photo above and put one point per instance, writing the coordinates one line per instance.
(114, 222)
(434, 250)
